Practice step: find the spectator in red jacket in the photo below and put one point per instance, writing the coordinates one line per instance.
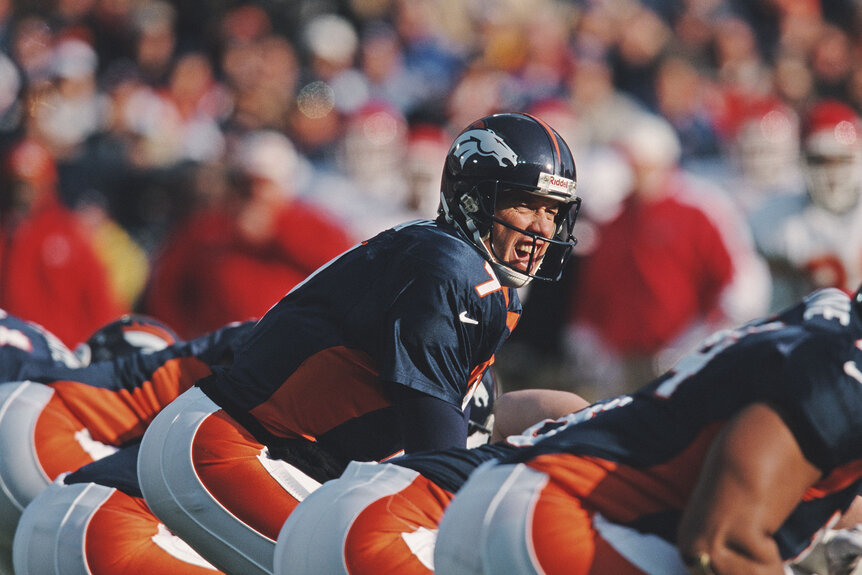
(49, 270)
(676, 262)
(231, 262)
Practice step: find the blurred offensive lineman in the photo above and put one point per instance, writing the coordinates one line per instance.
(376, 354)
(63, 531)
(58, 418)
(25, 344)
(729, 463)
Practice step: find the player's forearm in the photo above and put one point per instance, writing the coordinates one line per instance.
(735, 507)
(515, 411)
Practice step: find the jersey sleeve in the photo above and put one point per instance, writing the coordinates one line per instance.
(217, 347)
(130, 371)
(822, 402)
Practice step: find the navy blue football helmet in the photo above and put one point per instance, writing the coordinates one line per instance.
(128, 334)
(510, 152)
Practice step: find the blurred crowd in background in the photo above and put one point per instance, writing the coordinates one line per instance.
(193, 160)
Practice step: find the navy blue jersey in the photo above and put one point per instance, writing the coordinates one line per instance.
(450, 468)
(117, 399)
(24, 343)
(129, 372)
(118, 470)
(805, 363)
(415, 307)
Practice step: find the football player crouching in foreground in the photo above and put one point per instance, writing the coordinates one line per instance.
(377, 353)
(25, 345)
(695, 473)
(95, 521)
(731, 463)
(60, 418)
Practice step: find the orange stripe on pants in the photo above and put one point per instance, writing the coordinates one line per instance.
(376, 541)
(120, 540)
(54, 439)
(225, 457)
(565, 541)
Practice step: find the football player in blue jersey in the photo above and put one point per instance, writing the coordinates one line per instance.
(731, 463)
(25, 348)
(95, 519)
(26, 344)
(61, 416)
(377, 353)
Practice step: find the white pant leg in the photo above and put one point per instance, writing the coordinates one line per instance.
(175, 494)
(487, 529)
(507, 534)
(50, 536)
(21, 475)
(314, 536)
(457, 551)
(505, 539)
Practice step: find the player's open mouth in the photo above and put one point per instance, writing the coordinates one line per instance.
(523, 254)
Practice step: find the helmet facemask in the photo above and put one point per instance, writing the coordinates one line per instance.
(833, 156)
(519, 153)
(834, 181)
(478, 209)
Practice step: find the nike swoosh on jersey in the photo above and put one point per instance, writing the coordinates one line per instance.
(466, 319)
(853, 371)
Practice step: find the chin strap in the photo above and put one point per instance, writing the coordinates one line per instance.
(509, 277)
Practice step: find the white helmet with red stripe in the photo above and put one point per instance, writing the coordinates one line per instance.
(766, 142)
(832, 148)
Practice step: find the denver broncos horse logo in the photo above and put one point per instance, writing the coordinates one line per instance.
(484, 143)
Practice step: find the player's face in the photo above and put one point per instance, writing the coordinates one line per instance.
(527, 212)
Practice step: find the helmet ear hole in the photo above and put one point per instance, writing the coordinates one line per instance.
(469, 204)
